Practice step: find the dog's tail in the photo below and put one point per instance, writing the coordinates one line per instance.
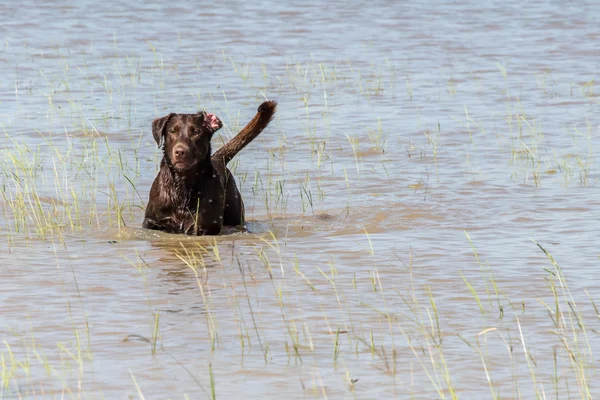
(260, 121)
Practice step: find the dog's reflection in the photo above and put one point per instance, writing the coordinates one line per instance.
(188, 263)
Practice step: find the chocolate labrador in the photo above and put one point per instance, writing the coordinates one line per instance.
(195, 193)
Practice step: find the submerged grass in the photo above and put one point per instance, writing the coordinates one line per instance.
(79, 176)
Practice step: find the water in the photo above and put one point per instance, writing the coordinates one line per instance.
(419, 150)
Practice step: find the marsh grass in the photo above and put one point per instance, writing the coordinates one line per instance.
(416, 332)
(79, 176)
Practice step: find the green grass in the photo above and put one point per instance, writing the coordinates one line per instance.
(93, 174)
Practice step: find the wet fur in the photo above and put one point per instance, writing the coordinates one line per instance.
(202, 199)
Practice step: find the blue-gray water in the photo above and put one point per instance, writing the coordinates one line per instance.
(402, 127)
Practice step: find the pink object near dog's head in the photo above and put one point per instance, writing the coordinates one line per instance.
(213, 121)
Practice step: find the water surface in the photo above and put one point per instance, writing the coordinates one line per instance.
(418, 152)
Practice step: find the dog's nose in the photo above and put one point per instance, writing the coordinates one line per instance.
(180, 151)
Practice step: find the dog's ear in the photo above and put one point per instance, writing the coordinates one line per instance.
(210, 120)
(158, 128)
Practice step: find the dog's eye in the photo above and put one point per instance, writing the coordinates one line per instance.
(173, 131)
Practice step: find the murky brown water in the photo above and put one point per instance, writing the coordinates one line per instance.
(400, 128)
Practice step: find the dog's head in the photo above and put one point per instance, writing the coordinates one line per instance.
(186, 137)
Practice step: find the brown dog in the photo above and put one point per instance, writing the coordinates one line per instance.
(193, 192)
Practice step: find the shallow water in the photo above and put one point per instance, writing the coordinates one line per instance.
(418, 154)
